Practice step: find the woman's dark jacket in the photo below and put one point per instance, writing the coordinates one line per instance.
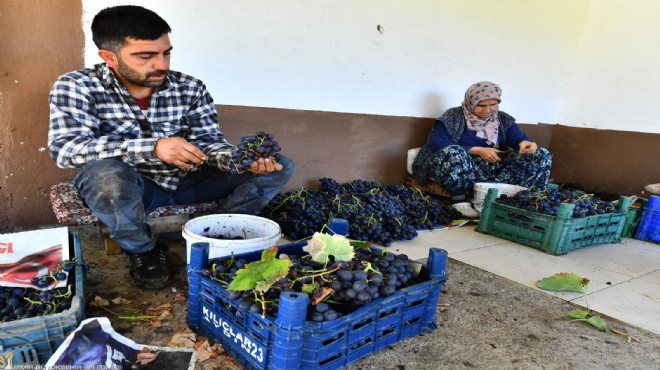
(453, 122)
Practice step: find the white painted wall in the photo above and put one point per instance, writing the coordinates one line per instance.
(329, 55)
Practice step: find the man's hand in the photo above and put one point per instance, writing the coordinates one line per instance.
(487, 154)
(179, 152)
(264, 165)
(527, 147)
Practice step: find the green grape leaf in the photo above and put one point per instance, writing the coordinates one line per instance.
(322, 245)
(597, 322)
(360, 244)
(308, 288)
(578, 314)
(261, 275)
(564, 281)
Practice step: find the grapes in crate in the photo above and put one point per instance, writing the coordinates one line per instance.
(547, 201)
(336, 285)
(22, 303)
(253, 147)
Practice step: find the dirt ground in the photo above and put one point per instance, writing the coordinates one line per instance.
(484, 322)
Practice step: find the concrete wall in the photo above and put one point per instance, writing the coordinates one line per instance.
(40, 40)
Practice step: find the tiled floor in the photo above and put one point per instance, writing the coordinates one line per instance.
(624, 278)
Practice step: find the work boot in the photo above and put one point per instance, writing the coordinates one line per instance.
(149, 270)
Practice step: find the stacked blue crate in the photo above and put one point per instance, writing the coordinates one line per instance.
(291, 342)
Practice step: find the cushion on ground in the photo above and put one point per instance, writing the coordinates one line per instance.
(70, 210)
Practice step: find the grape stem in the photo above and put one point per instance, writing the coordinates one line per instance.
(129, 318)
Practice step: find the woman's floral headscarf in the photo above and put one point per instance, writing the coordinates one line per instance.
(486, 128)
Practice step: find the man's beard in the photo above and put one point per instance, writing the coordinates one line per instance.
(136, 78)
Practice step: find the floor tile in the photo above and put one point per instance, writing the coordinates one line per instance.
(527, 265)
(653, 277)
(652, 247)
(635, 301)
(452, 240)
(625, 258)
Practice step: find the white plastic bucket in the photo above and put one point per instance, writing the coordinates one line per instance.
(252, 232)
(481, 189)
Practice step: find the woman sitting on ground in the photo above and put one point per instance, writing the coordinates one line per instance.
(477, 142)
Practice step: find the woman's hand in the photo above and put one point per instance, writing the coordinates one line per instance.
(490, 155)
(264, 165)
(527, 147)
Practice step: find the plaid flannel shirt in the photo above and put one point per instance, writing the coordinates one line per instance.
(92, 116)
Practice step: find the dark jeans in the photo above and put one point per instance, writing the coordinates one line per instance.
(119, 196)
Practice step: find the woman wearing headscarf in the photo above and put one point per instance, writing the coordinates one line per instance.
(477, 142)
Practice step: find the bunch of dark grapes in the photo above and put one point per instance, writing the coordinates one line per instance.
(376, 213)
(58, 274)
(523, 171)
(350, 284)
(547, 201)
(21, 303)
(605, 196)
(253, 147)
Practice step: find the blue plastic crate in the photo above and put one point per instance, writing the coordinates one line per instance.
(291, 342)
(32, 341)
(649, 224)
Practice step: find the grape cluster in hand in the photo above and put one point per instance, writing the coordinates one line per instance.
(523, 170)
(376, 213)
(352, 284)
(253, 147)
(547, 201)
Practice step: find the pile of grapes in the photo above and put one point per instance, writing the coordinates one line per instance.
(523, 170)
(253, 147)
(339, 287)
(22, 303)
(377, 213)
(547, 201)
(603, 195)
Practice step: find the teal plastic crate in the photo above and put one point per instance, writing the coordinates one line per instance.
(556, 235)
(291, 342)
(32, 341)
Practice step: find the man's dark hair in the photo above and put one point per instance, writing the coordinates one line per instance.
(111, 26)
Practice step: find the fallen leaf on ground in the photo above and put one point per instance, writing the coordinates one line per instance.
(98, 302)
(145, 356)
(563, 281)
(180, 297)
(120, 300)
(185, 338)
(206, 351)
(162, 307)
(165, 315)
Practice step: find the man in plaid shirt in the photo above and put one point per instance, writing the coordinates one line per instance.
(143, 136)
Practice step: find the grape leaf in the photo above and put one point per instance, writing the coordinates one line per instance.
(261, 275)
(578, 314)
(564, 281)
(360, 244)
(322, 245)
(597, 322)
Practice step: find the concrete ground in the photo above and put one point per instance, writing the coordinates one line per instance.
(489, 316)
